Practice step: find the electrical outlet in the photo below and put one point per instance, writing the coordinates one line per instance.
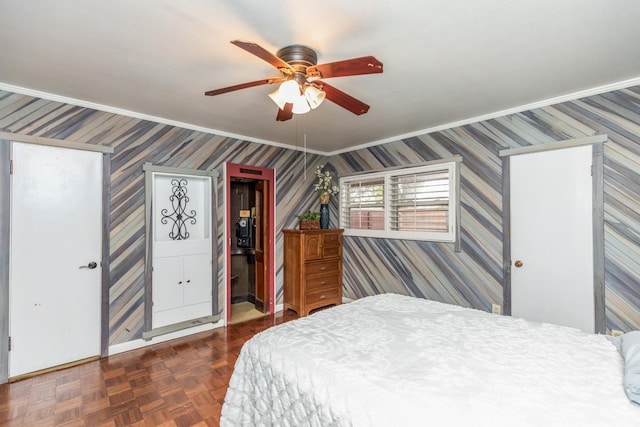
(616, 333)
(496, 308)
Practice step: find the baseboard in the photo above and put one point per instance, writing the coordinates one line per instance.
(140, 343)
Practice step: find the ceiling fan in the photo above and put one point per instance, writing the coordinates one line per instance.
(302, 87)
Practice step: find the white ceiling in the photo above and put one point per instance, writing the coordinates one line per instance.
(445, 61)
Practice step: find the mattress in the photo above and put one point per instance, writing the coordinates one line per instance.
(393, 360)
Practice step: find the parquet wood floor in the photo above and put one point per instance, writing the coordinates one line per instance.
(176, 383)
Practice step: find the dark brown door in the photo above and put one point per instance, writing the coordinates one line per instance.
(262, 246)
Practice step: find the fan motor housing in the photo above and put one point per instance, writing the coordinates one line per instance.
(298, 56)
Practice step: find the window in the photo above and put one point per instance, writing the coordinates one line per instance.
(364, 202)
(415, 203)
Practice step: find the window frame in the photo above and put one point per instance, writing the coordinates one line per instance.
(450, 166)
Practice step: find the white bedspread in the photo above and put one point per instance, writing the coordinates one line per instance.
(392, 360)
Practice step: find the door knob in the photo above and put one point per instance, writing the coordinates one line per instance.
(518, 263)
(90, 266)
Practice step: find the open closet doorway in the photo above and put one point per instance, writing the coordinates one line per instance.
(250, 213)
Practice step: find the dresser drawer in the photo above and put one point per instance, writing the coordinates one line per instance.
(319, 268)
(331, 240)
(332, 252)
(326, 295)
(317, 284)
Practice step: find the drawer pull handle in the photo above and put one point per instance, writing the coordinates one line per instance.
(323, 282)
(323, 296)
(323, 268)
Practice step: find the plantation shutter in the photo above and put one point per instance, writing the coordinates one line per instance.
(417, 203)
(420, 201)
(362, 204)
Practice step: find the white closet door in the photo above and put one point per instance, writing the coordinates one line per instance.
(197, 275)
(56, 223)
(552, 277)
(167, 277)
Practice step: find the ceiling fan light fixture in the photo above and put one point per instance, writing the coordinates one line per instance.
(300, 105)
(314, 96)
(290, 91)
(277, 97)
(302, 78)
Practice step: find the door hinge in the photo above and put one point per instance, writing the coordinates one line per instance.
(9, 347)
(591, 170)
(10, 167)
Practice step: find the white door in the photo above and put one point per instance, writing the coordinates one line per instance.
(197, 276)
(552, 277)
(167, 276)
(56, 215)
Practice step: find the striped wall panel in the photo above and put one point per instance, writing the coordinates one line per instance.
(136, 142)
(473, 277)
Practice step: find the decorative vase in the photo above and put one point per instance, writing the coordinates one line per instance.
(324, 215)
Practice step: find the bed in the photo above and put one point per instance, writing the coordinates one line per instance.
(393, 360)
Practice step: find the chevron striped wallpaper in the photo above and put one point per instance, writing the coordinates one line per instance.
(471, 277)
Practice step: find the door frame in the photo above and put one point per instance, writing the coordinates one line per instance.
(6, 138)
(597, 143)
(234, 170)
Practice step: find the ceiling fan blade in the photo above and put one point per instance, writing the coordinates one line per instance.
(262, 53)
(344, 100)
(285, 113)
(244, 86)
(348, 67)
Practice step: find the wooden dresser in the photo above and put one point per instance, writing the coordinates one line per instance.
(312, 269)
